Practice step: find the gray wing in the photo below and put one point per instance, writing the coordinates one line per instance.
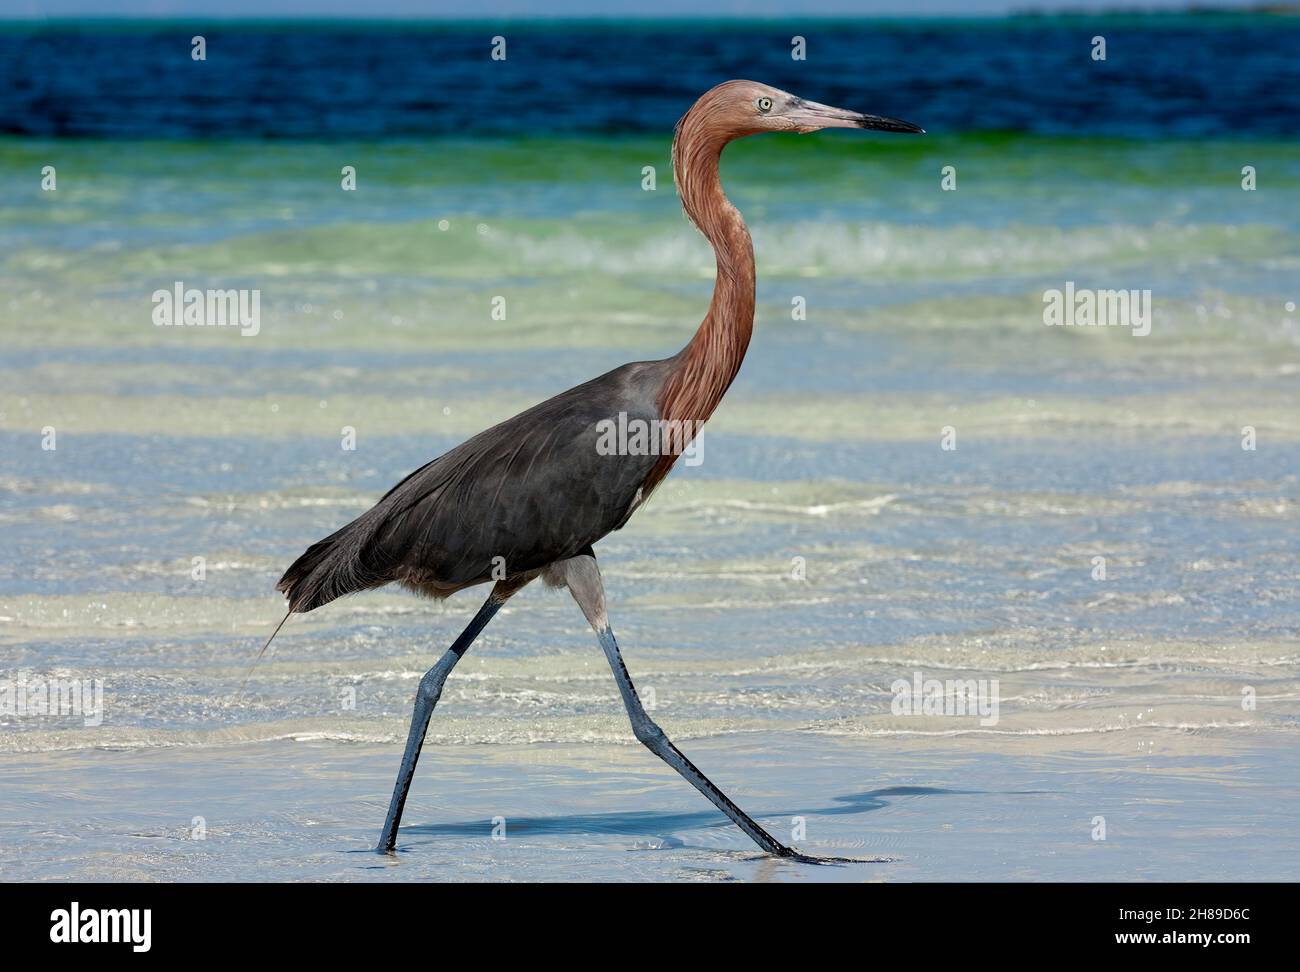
(531, 490)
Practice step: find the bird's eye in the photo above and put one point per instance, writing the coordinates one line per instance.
(764, 105)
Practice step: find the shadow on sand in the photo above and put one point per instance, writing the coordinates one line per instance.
(646, 823)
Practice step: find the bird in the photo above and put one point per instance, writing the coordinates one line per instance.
(528, 498)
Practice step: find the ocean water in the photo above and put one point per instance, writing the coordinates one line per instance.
(770, 598)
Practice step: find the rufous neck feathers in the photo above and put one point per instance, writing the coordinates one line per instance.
(706, 366)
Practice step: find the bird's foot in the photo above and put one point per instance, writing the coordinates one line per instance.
(791, 854)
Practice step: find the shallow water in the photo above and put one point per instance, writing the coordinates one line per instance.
(767, 599)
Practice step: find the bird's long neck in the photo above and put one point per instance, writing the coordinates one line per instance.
(704, 369)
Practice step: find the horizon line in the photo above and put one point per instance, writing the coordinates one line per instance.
(1263, 9)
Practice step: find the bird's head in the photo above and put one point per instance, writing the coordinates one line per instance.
(735, 109)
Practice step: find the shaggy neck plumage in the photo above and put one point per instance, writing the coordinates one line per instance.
(706, 366)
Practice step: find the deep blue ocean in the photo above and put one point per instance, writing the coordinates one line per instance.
(1163, 76)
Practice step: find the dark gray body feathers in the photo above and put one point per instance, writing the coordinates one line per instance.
(531, 490)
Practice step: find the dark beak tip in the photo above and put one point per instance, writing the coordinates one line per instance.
(877, 124)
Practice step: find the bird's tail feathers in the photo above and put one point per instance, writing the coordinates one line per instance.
(337, 565)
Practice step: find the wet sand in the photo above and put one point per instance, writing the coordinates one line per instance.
(1199, 808)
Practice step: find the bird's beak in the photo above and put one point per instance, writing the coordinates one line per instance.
(808, 116)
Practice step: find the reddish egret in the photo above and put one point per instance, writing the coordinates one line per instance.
(529, 497)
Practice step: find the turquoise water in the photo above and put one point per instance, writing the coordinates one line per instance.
(827, 546)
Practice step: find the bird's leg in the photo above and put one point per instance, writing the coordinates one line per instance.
(583, 580)
(426, 697)
(654, 739)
